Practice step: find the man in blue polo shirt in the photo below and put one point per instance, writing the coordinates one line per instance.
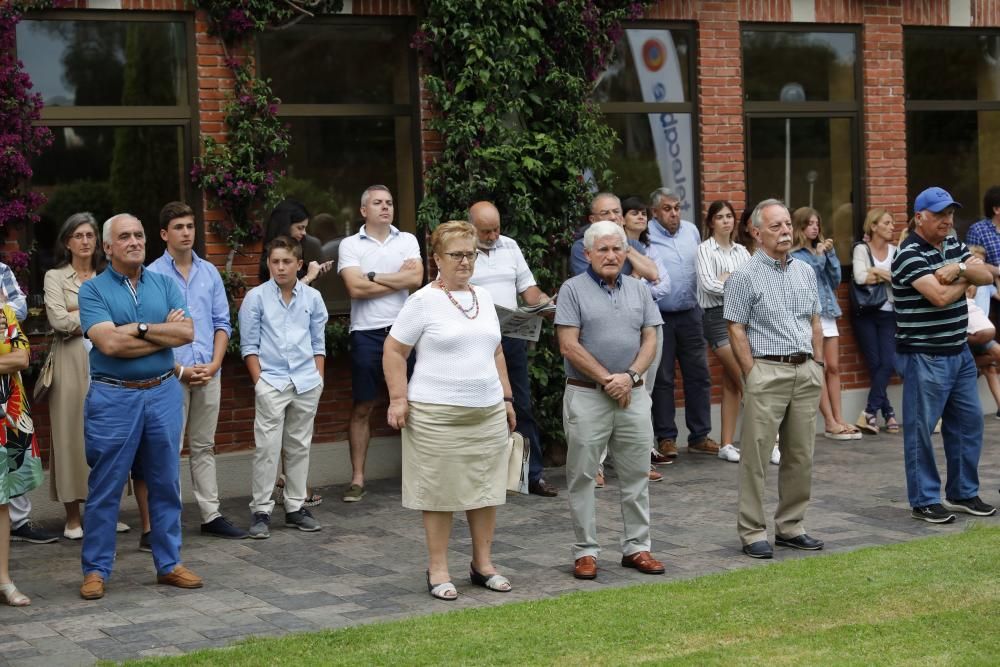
(134, 408)
(930, 275)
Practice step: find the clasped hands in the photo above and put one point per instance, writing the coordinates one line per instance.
(619, 387)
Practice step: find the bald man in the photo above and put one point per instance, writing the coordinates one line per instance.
(501, 269)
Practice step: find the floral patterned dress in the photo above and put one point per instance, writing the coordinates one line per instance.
(20, 461)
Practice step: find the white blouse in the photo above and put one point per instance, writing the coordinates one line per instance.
(712, 262)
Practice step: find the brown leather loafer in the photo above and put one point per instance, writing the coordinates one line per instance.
(585, 567)
(542, 488)
(706, 446)
(668, 448)
(644, 562)
(93, 587)
(181, 577)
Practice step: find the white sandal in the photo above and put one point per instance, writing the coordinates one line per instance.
(444, 591)
(12, 596)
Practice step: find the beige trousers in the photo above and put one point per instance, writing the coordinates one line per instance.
(282, 429)
(777, 398)
(201, 416)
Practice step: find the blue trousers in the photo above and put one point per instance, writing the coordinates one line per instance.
(876, 334)
(684, 343)
(515, 352)
(118, 425)
(940, 387)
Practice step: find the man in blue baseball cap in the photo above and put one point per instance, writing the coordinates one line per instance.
(930, 274)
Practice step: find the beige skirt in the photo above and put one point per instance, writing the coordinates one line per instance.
(454, 458)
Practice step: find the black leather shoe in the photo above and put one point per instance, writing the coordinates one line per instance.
(760, 549)
(542, 488)
(803, 542)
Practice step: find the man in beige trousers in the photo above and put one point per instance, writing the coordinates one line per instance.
(772, 306)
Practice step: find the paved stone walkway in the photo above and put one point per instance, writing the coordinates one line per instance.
(367, 564)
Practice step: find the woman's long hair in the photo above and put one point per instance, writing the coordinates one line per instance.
(707, 228)
(800, 220)
(64, 256)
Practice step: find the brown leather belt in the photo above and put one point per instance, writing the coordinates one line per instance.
(134, 384)
(591, 385)
(796, 359)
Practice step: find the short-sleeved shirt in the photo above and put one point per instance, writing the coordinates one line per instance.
(369, 254)
(207, 304)
(610, 318)
(922, 327)
(775, 302)
(503, 272)
(110, 297)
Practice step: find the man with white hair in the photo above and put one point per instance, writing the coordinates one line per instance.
(606, 325)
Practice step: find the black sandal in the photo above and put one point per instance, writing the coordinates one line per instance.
(493, 582)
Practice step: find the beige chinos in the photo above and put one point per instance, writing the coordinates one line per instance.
(201, 416)
(777, 396)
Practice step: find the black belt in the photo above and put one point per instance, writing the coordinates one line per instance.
(592, 385)
(134, 384)
(796, 359)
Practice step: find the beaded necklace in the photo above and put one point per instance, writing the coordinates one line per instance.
(464, 311)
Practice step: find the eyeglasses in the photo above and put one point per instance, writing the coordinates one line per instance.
(84, 236)
(459, 256)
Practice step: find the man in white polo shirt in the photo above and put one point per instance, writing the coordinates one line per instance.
(501, 269)
(379, 266)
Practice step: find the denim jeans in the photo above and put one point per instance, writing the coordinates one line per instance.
(940, 387)
(515, 352)
(876, 335)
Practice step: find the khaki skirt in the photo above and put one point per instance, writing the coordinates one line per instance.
(454, 458)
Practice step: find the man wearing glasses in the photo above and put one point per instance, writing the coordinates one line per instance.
(676, 242)
(379, 266)
(606, 206)
(500, 269)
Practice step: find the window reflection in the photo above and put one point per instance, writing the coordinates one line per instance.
(823, 63)
(943, 65)
(621, 81)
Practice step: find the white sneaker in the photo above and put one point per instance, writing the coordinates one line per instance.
(775, 455)
(729, 453)
(122, 527)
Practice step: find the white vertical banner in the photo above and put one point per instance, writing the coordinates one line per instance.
(659, 71)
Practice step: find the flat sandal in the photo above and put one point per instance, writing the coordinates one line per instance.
(13, 597)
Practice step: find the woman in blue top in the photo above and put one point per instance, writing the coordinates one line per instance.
(810, 246)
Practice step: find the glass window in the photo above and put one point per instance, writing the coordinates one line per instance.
(806, 162)
(792, 66)
(105, 63)
(654, 51)
(949, 65)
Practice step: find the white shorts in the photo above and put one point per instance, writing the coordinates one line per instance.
(829, 327)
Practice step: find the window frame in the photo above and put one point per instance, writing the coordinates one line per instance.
(953, 104)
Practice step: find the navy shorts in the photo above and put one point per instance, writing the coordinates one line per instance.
(367, 378)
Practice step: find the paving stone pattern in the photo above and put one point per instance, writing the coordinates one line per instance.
(368, 562)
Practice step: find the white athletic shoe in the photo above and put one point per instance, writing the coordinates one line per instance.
(729, 453)
(775, 455)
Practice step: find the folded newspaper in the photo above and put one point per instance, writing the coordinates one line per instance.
(525, 322)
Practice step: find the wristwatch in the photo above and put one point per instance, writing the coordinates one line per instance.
(143, 330)
(961, 269)
(635, 376)
(371, 276)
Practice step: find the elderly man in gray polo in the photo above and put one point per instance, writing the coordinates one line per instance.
(606, 324)
(772, 306)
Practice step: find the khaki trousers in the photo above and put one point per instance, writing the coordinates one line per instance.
(282, 429)
(201, 416)
(593, 422)
(777, 397)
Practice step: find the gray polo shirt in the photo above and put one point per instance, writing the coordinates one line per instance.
(610, 318)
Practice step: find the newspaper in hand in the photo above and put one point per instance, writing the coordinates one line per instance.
(525, 322)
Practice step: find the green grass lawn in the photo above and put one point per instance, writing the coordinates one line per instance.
(932, 601)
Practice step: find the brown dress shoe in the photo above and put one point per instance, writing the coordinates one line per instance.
(644, 562)
(706, 446)
(181, 577)
(668, 448)
(93, 587)
(542, 488)
(585, 567)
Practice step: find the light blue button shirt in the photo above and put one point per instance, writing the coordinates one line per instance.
(285, 337)
(206, 304)
(678, 253)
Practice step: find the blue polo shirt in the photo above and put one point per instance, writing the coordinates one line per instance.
(110, 298)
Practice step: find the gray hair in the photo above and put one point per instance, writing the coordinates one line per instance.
(601, 195)
(372, 188)
(67, 230)
(106, 233)
(757, 217)
(603, 228)
(662, 193)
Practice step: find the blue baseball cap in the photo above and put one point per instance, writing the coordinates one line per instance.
(934, 200)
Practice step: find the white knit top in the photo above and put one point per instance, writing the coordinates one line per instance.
(455, 355)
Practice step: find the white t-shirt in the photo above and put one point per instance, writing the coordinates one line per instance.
(503, 272)
(886, 264)
(455, 355)
(368, 254)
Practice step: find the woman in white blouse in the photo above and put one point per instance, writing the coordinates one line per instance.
(456, 410)
(718, 256)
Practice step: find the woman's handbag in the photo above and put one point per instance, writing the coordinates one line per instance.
(866, 299)
(517, 463)
(44, 380)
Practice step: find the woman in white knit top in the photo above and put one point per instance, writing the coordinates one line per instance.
(455, 412)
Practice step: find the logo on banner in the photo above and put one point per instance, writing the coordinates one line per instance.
(654, 54)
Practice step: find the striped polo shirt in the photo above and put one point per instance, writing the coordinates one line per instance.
(922, 327)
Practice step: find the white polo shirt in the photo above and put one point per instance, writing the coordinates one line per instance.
(503, 272)
(368, 254)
